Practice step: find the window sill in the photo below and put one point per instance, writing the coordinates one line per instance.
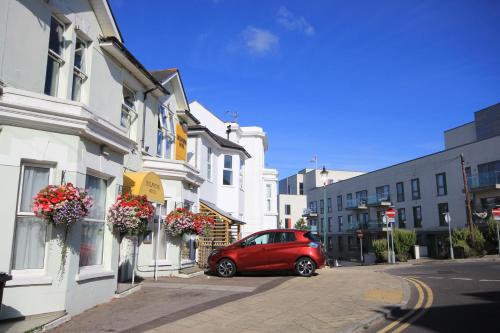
(160, 262)
(29, 280)
(88, 273)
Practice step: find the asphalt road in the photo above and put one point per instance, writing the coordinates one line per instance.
(447, 297)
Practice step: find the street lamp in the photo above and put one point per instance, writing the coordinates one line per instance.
(324, 178)
(447, 219)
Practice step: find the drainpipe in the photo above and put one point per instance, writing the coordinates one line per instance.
(145, 95)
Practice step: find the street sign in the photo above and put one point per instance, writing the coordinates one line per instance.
(359, 233)
(447, 218)
(391, 215)
(496, 213)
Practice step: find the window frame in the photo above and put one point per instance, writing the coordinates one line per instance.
(209, 163)
(417, 190)
(79, 73)
(130, 111)
(415, 208)
(340, 204)
(31, 271)
(444, 187)
(442, 222)
(321, 206)
(400, 191)
(340, 220)
(288, 209)
(401, 221)
(57, 58)
(227, 169)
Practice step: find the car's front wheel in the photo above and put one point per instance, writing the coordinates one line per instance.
(226, 268)
(305, 266)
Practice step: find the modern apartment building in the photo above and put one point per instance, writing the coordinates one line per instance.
(293, 190)
(420, 190)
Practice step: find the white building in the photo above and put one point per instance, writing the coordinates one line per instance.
(240, 184)
(420, 190)
(292, 197)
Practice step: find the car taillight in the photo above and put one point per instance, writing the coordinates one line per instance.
(314, 245)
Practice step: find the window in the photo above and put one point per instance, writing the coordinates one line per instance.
(415, 189)
(209, 163)
(329, 204)
(321, 206)
(361, 197)
(128, 115)
(260, 239)
(288, 223)
(93, 226)
(330, 243)
(55, 58)
(417, 217)
(288, 209)
(30, 231)
(349, 222)
(489, 173)
(341, 223)
(166, 133)
(227, 174)
(269, 197)
(79, 69)
(339, 203)
(442, 210)
(402, 218)
(400, 189)
(321, 224)
(284, 237)
(351, 243)
(301, 188)
(348, 198)
(441, 184)
(313, 206)
(340, 245)
(330, 224)
(383, 193)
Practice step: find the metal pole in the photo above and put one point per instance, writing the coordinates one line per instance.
(385, 219)
(393, 253)
(451, 241)
(133, 261)
(157, 241)
(498, 237)
(361, 246)
(325, 238)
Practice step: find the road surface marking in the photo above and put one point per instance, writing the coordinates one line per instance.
(417, 306)
(428, 304)
(462, 279)
(485, 280)
(435, 277)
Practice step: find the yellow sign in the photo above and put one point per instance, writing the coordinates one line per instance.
(144, 183)
(180, 143)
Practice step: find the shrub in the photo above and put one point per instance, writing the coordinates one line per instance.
(301, 224)
(404, 240)
(461, 238)
(403, 257)
(490, 236)
(380, 249)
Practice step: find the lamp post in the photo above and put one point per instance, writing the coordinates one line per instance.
(324, 178)
(447, 219)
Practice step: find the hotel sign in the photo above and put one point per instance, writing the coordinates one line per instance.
(180, 143)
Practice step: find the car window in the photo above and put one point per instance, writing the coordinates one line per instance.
(312, 237)
(284, 237)
(259, 239)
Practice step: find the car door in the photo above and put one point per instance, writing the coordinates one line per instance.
(283, 252)
(253, 254)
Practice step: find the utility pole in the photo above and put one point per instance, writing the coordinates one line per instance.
(467, 197)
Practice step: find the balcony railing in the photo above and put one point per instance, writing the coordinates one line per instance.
(484, 179)
(370, 225)
(359, 203)
(379, 200)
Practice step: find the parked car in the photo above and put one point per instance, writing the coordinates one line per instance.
(279, 249)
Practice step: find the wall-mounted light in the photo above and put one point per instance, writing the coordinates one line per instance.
(105, 151)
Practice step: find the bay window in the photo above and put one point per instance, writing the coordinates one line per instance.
(165, 134)
(30, 231)
(227, 173)
(92, 237)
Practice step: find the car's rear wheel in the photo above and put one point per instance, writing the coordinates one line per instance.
(305, 266)
(226, 268)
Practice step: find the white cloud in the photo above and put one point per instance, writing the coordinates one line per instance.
(289, 21)
(258, 41)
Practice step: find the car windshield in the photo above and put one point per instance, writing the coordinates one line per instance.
(312, 237)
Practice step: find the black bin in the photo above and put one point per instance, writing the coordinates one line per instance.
(4, 277)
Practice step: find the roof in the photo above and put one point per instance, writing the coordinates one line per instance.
(225, 143)
(164, 74)
(221, 212)
(113, 40)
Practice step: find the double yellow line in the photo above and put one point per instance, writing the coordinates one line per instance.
(424, 302)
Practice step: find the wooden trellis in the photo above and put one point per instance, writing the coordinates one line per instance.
(226, 231)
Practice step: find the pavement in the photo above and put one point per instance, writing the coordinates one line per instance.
(335, 300)
(455, 297)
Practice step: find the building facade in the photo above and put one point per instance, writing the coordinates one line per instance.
(420, 191)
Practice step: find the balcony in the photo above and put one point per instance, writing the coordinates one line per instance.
(173, 169)
(379, 201)
(309, 213)
(356, 204)
(371, 225)
(484, 181)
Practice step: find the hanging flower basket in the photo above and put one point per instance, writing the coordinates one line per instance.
(180, 221)
(130, 214)
(62, 205)
(203, 224)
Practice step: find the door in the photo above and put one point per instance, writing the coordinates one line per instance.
(284, 250)
(253, 254)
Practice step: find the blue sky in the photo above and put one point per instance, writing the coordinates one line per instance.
(360, 84)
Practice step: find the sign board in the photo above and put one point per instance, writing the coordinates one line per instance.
(447, 218)
(359, 233)
(496, 213)
(180, 143)
(391, 215)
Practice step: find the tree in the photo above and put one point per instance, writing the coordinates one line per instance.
(301, 224)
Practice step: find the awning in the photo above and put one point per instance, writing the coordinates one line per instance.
(219, 211)
(144, 183)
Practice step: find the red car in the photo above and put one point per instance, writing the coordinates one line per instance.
(279, 249)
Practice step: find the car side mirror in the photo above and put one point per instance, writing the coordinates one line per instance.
(243, 244)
